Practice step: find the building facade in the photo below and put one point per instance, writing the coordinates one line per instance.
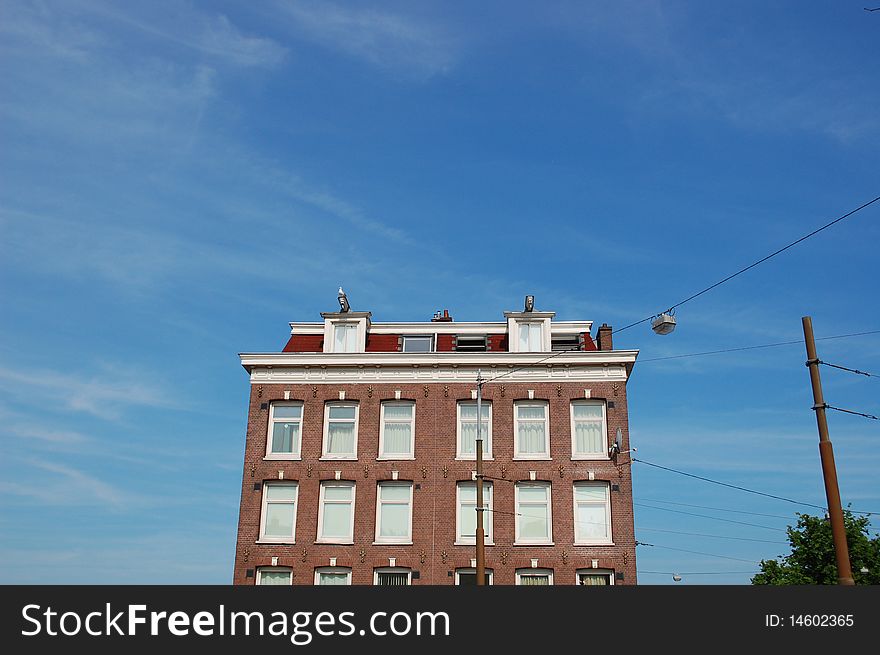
(359, 462)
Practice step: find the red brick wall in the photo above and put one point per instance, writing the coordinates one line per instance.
(436, 470)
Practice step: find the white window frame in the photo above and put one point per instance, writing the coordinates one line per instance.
(608, 539)
(487, 434)
(340, 403)
(429, 337)
(360, 323)
(522, 573)
(575, 455)
(489, 572)
(322, 502)
(392, 569)
(264, 512)
(334, 570)
(516, 423)
(520, 511)
(380, 503)
(350, 343)
(605, 573)
(488, 499)
(296, 454)
(412, 430)
(273, 569)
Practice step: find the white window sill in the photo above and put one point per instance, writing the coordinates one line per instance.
(532, 458)
(593, 543)
(472, 543)
(274, 542)
(334, 542)
(533, 543)
(282, 458)
(397, 458)
(392, 543)
(346, 458)
(590, 458)
(486, 458)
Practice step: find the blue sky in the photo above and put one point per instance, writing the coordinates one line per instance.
(178, 181)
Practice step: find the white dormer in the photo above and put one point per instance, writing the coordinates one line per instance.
(345, 332)
(529, 331)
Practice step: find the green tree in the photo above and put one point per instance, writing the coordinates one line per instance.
(812, 559)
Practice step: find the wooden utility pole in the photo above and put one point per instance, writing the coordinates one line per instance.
(481, 536)
(826, 452)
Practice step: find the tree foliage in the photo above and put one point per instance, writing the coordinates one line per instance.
(812, 560)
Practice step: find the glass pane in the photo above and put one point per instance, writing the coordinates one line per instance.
(397, 439)
(531, 438)
(279, 520)
(536, 494)
(530, 411)
(584, 410)
(467, 491)
(468, 520)
(533, 523)
(345, 337)
(417, 344)
(394, 492)
(342, 411)
(285, 438)
(469, 438)
(394, 521)
(280, 491)
(340, 439)
(524, 337)
(393, 579)
(398, 412)
(333, 578)
(337, 492)
(591, 492)
(590, 522)
(588, 437)
(274, 577)
(535, 580)
(287, 411)
(337, 521)
(593, 580)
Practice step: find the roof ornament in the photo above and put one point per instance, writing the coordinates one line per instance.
(530, 304)
(343, 301)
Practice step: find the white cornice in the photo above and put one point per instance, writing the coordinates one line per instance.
(443, 327)
(437, 367)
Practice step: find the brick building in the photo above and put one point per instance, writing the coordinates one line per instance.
(360, 459)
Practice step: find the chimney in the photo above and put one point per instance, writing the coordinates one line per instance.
(446, 318)
(603, 337)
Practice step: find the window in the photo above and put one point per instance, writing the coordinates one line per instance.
(467, 430)
(531, 337)
(340, 431)
(534, 577)
(336, 513)
(333, 575)
(397, 429)
(424, 344)
(595, 577)
(592, 513)
(466, 577)
(285, 421)
(588, 440)
(563, 342)
(345, 338)
(466, 519)
(470, 343)
(532, 431)
(392, 577)
(394, 513)
(279, 512)
(533, 520)
(275, 575)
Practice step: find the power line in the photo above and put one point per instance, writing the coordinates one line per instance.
(714, 518)
(696, 572)
(851, 370)
(766, 345)
(720, 509)
(838, 409)
(760, 261)
(713, 536)
(696, 552)
(751, 491)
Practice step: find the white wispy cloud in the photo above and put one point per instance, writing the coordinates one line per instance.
(65, 486)
(382, 38)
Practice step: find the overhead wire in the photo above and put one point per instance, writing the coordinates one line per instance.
(696, 552)
(750, 266)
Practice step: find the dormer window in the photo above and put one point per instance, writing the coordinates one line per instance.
(529, 332)
(346, 332)
(420, 344)
(345, 338)
(530, 337)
